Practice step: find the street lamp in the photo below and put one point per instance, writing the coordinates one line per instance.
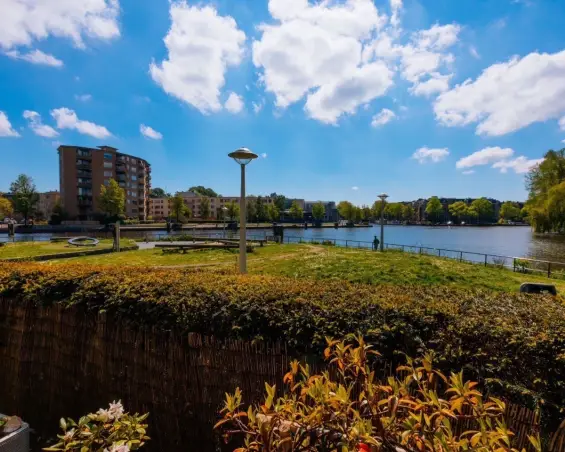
(383, 197)
(224, 210)
(242, 156)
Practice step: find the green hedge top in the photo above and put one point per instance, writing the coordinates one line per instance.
(518, 339)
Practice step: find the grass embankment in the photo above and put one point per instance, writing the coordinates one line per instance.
(321, 262)
(31, 249)
(518, 339)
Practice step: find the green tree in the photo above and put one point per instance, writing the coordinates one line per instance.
(540, 182)
(6, 208)
(158, 193)
(203, 191)
(205, 208)
(296, 212)
(260, 210)
(394, 211)
(25, 195)
(178, 207)
(278, 200)
(251, 210)
(347, 211)
(112, 200)
(232, 211)
(483, 208)
(510, 211)
(458, 210)
(408, 212)
(366, 213)
(377, 207)
(273, 213)
(59, 214)
(434, 209)
(471, 213)
(318, 211)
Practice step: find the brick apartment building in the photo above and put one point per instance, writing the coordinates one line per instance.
(159, 208)
(82, 172)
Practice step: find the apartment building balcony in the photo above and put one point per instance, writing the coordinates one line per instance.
(84, 166)
(84, 173)
(84, 201)
(84, 183)
(84, 155)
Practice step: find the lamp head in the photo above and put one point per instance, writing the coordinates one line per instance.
(383, 196)
(243, 156)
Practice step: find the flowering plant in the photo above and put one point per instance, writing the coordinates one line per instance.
(107, 430)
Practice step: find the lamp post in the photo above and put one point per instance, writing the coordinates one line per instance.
(242, 156)
(383, 197)
(224, 210)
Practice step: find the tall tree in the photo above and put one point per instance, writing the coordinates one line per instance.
(366, 213)
(58, 215)
(260, 211)
(112, 200)
(394, 210)
(25, 195)
(483, 208)
(6, 208)
(408, 212)
(158, 193)
(205, 208)
(251, 210)
(458, 210)
(540, 181)
(273, 213)
(296, 212)
(318, 211)
(203, 191)
(232, 210)
(378, 207)
(178, 207)
(278, 200)
(434, 209)
(510, 211)
(347, 211)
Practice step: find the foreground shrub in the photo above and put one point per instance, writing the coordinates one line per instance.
(109, 430)
(345, 409)
(513, 343)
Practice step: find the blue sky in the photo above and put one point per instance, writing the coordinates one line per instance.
(342, 99)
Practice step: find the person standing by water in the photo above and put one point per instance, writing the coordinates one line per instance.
(376, 243)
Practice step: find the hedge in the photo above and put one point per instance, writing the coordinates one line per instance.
(513, 342)
(67, 255)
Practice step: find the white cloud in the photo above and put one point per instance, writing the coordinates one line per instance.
(354, 188)
(35, 57)
(264, 155)
(201, 46)
(315, 51)
(437, 83)
(6, 129)
(473, 51)
(485, 157)
(35, 124)
(234, 104)
(83, 97)
(425, 155)
(466, 173)
(149, 132)
(562, 123)
(67, 119)
(383, 117)
(396, 8)
(508, 96)
(519, 165)
(258, 106)
(24, 22)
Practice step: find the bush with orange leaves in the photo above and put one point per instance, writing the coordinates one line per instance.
(346, 409)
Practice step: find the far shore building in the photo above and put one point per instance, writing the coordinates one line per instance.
(83, 171)
(47, 202)
(330, 215)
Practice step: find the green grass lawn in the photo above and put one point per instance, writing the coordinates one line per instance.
(319, 262)
(31, 249)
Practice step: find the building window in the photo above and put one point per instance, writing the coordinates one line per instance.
(84, 191)
(107, 164)
(107, 156)
(107, 173)
(107, 182)
(133, 194)
(133, 177)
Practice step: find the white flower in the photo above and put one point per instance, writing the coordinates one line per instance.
(103, 415)
(116, 410)
(69, 435)
(113, 448)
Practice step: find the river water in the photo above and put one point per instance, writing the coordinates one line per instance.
(512, 241)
